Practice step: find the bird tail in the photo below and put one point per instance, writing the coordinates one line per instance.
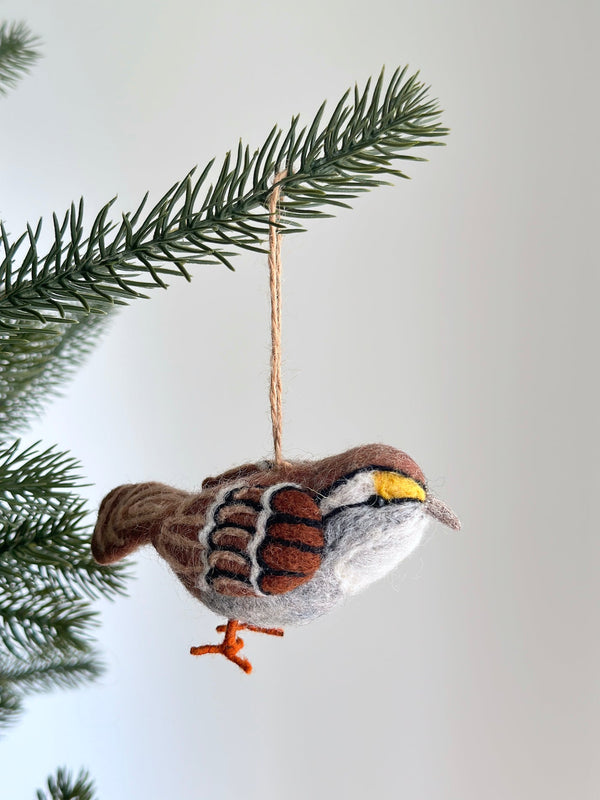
(131, 516)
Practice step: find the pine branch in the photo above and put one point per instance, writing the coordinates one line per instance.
(53, 552)
(30, 625)
(18, 53)
(44, 673)
(47, 576)
(11, 705)
(64, 787)
(327, 164)
(47, 671)
(44, 535)
(34, 363)
(30, 477)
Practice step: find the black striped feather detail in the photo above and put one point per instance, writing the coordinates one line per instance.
(263, 541)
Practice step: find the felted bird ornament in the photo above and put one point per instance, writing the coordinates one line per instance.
(268, 545)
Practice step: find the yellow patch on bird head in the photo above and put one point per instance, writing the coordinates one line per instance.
(392, 486)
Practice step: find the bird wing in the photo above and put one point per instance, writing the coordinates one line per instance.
(261, 540)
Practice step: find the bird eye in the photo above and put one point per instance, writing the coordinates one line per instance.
(376, 501)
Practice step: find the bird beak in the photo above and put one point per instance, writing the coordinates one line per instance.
(442, 513)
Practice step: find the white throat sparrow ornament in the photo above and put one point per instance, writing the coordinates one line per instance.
(271, 545)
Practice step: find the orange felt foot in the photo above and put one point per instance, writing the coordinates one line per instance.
(229, 647)
(247, 627)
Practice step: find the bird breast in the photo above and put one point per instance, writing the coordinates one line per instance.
(366, 543)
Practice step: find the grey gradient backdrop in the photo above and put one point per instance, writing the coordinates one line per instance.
(453, 316)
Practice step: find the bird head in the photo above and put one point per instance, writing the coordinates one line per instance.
(374, 515)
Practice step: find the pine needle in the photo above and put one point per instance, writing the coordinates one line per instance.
(19, 51)
(63, 786)
(197, 222)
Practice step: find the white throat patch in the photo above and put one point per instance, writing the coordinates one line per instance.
(371, 542)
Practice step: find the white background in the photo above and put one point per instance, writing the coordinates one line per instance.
(453, 316)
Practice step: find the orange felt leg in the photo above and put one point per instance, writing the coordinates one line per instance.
(246, 626)
(229, 647)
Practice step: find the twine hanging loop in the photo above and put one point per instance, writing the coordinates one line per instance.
(275, 292)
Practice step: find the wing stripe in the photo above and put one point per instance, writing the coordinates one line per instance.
(289, 559)
(250, 495)
(304, 548)
(229, 526)
(297, 501)
(280, 516)
(297, 534)
(231, 539)
(236, 515)
(219, 572)
(261, 540)
(283, 573)
(230, 562)
(253, 504)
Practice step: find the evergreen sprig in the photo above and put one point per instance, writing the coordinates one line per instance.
(35, 364)
(44, 530)
(30, 477)
(326, 164)
(19, 50)
(45, 672)
(64, 787)
(51, 550)
(29, 625)
(47, 576)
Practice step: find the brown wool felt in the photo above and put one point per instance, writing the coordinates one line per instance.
(295, 501)
(288, 558)
(232, 539)
(269, 544)
(297, 533)
(237, 516)
(226, 561)
(248, 494)
(320, 475)
(171, 519)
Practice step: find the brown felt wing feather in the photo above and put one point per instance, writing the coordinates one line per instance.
(261, 540)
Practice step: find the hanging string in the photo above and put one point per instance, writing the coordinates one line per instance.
(275, 291)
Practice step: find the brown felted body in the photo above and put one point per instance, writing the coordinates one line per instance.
(260, 534)
(129, 517)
